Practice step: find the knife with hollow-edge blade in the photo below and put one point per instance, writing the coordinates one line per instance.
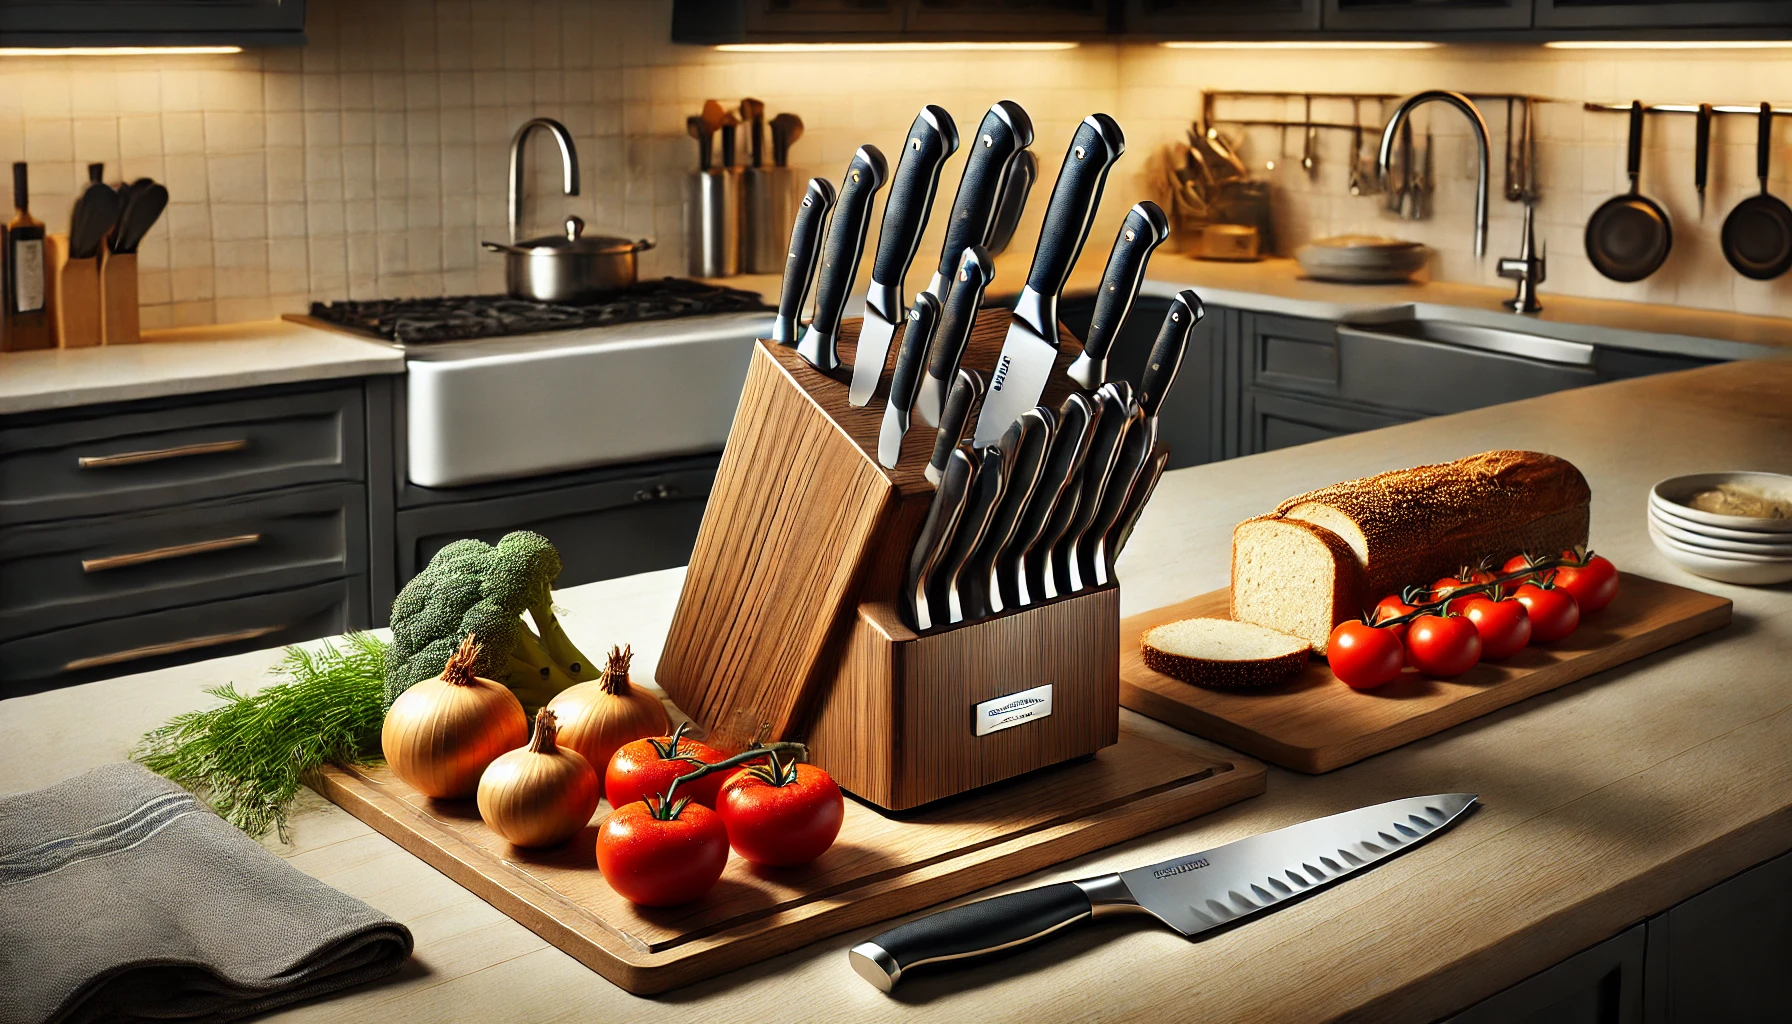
(967, 387)
(799, 265)
(1144, 229)
(958, 314)
(1031, 347)
(1016, 567)
(1004, 132)
(915, 337)
(840, 256)
(931, 139)
(1192, 894)
(942, 519)
(1029, 437)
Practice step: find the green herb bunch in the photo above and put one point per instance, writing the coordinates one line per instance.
(248, 756)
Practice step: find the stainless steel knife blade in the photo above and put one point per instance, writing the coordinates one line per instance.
(992, 475)
(957, 316)
(1020, 568)
(1193, 894)
(942, 519)
(1031, 346)
(1110, 429)
(1144, 229)
(931, 139)
(915, 338)
(1028, 436)
(799, 265)
(967, 387)
(840, 256)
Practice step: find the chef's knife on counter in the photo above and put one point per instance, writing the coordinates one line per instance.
(1029, 437)
(1114, 412)
(993, 466)
(922, 320)
(1031, 346)
(840, 256)
(799, 265)
(931, 139)
(1144, 229)
(942, 518)
(958, 314)
(967, 387)
(1004, 132)
(1070, 444)
(1192, 894)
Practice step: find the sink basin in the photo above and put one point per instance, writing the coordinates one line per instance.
(1487, 339)
(503, 408)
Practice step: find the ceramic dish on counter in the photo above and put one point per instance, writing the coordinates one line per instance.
(1361, 259)
(1661, 514)
(1672, 495)
(1678, 531)
(1751, 570)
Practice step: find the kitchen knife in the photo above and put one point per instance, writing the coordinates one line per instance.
(1144, 229)
(1167, 351)
(1031, 347)
(799, 265)
(142, 207)
(966, 389)
(1135, 503)
(1012, 200)
(915, 338)
(1135, 451)
(942, 518)
(1017, 568)
(752, 111)
(986, 493)
(931, 139)
(1117, 410)
(957, 316)
(840, 256)
(1192, 894)
(95, 212)
(1028, 438)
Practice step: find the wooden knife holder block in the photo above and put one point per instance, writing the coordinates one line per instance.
(788, 624)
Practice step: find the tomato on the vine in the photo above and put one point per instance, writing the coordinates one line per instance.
(1446, 585)
(662, 861)
(1593, 583)
(645, 767)
(1364, 656)
(1392, 607)
(1443, 645)
(1518, 563)
(1554, 612)
(781, 813)
(1504, 626)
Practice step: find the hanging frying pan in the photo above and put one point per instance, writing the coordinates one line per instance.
(1629, 236)
(1758, 232)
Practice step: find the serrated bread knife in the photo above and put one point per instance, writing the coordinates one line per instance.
(1192, 894)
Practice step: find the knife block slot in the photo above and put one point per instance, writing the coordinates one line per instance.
(787, 622)
(73, 295)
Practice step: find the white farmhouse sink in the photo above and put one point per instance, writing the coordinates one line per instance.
(502, 408)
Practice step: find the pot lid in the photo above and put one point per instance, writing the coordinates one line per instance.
(575, 241)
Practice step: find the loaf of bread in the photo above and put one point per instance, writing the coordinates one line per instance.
(1323, 557)
(1221, 654)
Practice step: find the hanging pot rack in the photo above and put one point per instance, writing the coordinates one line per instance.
(1686, 108)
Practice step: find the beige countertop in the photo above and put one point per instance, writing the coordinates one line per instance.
(1603, 802)
(188, 360)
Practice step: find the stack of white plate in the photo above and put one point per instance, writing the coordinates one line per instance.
(1731, 548)
(1361, 259)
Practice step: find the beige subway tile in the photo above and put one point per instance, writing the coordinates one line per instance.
(235, 222)
(323, 128)
(324, 220)
(357, 90)
(183, 133)
(286, 222)
(358, 127)
(237, 178)
(192, 283)
(388, 91)
(156, 317)
(285, 130)
(234, 132)
(196, 313)
(357, 172)
(49, 140)
(96, 141)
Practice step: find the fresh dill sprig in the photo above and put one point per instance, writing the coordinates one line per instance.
(248, 756)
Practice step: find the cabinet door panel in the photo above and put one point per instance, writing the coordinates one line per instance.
(1007, 18)
(1724, 951)
(1662, 13)
(1290, 353)
(1198, 17)
(816, 17)
(1426, 15)
(1274, 421)
(151, 22)
(1602, 985)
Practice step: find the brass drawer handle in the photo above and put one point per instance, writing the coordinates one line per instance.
(171, 551)
(172, 647)
(158, 454)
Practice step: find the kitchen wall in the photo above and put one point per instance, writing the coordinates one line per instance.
(372, 162)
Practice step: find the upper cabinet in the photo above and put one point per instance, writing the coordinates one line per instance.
(1202, 17)
(1442, 16)
(1604, 14)
(739, 21)
(59, 23)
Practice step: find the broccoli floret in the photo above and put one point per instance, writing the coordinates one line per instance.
(471, 587)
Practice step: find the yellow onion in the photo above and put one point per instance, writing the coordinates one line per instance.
(540, 794)
(441, 733)
(599, 716)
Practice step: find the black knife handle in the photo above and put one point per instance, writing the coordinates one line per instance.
(1701, 153)
(1763, 145)
(1005, 131)
(959, 314)
(799, 264)
(1097, 143)
(967, 387)
(905, 380)
(931, 139)
(971, 930)
(942, 519)
(1144, 229)
(846, 237)
(1166, 353)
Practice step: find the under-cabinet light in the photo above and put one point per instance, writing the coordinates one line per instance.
(886, 47)
(1298, 44)
(1668, 44)
(112, 51)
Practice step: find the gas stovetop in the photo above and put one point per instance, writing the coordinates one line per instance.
(457, 317)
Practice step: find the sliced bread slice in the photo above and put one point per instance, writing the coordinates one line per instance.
(1223, 654)
(1294, 577)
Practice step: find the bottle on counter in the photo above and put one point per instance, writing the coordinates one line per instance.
(25, 319)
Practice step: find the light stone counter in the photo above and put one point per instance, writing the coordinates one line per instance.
(1604, 802)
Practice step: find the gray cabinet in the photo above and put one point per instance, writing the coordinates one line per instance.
(1441, 16)
(1648, 14)
(1602, 985)
(740, 21)
(152, 23)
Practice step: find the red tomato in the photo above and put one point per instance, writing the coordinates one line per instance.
(1446, 584)
(1504, 626)
(1443, 645)
(661, 863)
(1364, 656)
(642, 768)
(781, 814)
(1593, 584)
(1391, 607)
(1554, 612)
(1517, 563)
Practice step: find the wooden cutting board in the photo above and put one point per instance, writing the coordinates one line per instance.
(1315, 723)
(879, 868)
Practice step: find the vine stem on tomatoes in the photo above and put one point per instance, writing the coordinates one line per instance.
(667, 808)
(1536, 566)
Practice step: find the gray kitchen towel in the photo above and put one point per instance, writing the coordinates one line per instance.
(122, 898)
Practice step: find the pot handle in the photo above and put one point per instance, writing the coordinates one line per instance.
(499, 247)
(644, 244)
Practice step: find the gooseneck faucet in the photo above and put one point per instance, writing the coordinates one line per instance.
(569, 159)
(1384, 160)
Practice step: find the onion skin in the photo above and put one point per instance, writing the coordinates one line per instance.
(541, 794)
(597, 718)
(440, 734)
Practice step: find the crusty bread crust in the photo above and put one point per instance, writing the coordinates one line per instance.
(1254, 674)
(1251, 601)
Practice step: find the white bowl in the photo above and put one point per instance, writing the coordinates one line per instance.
(1674, 491)
(1663, 512)
(1696, 538)
(1749, 572)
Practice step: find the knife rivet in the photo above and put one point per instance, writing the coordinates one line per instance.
(855, 177)
(1130, 234)
(915, 144)
(1081, 152)
(988, 142)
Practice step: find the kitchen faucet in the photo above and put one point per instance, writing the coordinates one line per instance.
(1529, 269)
(569, 160)
(1384, 160)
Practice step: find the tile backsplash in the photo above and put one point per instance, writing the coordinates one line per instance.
(372, 162)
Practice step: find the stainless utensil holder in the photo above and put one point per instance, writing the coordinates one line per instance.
(767, 202)
(714, 214)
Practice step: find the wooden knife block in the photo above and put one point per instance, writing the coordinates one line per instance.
(74, 295)
(788, 624)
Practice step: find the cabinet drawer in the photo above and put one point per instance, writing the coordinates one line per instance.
(55, 575)
(1282, 421)
(140, 643)
(1434, 378)
(131, 461)
(1291, 353)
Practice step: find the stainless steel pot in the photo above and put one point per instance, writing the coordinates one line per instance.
(572, 269)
